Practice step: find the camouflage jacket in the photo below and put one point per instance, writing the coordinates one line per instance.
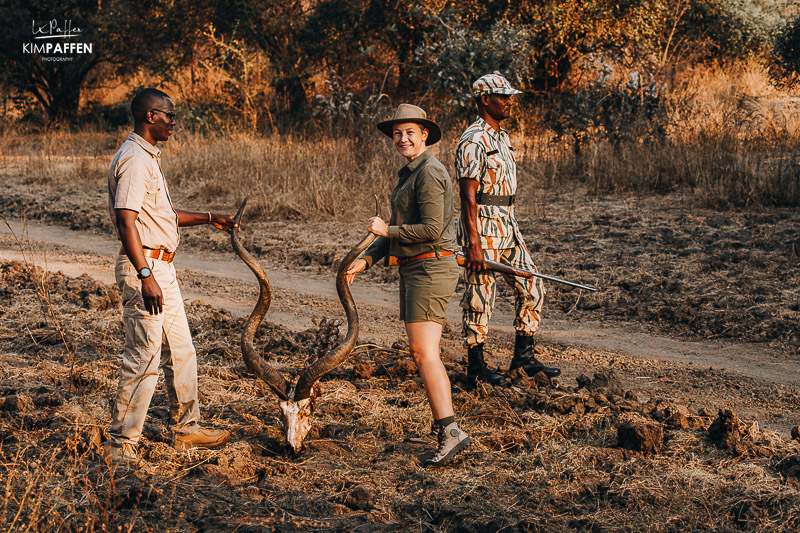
(486, 156)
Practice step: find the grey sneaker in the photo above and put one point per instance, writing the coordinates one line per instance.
(121, 456)
(451, 441)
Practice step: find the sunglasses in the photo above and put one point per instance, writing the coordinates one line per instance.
(170, 116)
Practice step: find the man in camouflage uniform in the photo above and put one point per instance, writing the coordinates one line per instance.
(487, 175)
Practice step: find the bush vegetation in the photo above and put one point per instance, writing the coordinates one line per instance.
(618, 94)
(726, 151)
(261, 59)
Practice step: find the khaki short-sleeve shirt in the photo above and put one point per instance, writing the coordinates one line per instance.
(135, 182)
(486, 156)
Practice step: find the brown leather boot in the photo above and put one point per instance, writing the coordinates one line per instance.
(201, 438)
(121, 456)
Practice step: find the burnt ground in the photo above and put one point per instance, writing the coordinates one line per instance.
(637, 435)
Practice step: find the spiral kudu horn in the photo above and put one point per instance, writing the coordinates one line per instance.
(297, 405)
(255, 363)
(336, 356)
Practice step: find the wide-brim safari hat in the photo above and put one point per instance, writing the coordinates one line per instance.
(412, 113)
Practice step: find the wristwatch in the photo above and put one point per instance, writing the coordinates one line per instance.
(145, 272)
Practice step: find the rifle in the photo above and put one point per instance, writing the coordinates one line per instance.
(514, 271)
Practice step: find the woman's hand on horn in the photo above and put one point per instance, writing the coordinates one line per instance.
(378, 227)
(358, 266)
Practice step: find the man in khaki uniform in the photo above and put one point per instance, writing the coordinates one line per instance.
(156, 329)
(487, 176)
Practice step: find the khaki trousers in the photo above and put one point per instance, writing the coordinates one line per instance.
(153, 341)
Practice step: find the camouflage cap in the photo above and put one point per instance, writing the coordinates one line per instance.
(492, 84)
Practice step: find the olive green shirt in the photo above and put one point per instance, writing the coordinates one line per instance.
(422, 212)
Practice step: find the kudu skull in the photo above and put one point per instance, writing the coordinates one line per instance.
(297, 397)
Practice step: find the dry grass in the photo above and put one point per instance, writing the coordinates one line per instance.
(535, 456)
(289, 178)
(284, 177)
(730, 143)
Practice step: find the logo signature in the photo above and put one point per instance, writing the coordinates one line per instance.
(52, 30)
(62, 49)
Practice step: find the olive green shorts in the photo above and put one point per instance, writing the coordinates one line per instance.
(426, 286)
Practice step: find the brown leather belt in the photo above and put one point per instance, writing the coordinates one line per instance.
(426, 255)
(161, 255)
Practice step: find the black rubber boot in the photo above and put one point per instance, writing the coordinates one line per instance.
(524, 358)
(476, 368)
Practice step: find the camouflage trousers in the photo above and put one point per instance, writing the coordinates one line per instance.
(479, 294)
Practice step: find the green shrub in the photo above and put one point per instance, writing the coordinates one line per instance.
(457, 55)
(784, 61)
(609, 108)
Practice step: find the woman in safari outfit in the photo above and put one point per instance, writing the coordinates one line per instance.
(421, 234)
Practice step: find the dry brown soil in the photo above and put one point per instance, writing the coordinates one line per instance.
(697, 315)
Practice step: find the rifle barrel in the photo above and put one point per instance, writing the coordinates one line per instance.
(514, 271)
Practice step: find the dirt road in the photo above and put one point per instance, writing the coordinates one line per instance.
(304, 295)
